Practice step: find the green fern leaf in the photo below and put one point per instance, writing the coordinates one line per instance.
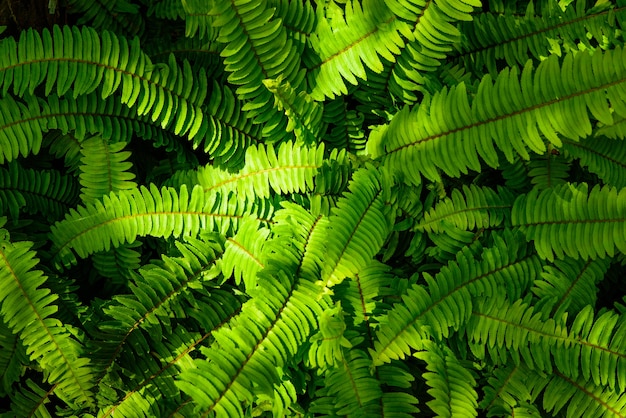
(243, 254)
(31, 401)
(369, 31)
(582, 398)
(422, 141)
(351, 389)
(430, 312)
(13, 358)
(433, 32)
(83, 60)
(474, 208)
(601, 156)
(123, 216)
(119, 16)
(104, 168)
(593, 348)
(570, 284)
(32, 191)
(288, 168)
(515, 39)
(571, 221)
(358, 227)
(27, 310)
(305, 116)
(278, 317)
(452, 385)
(251, 29)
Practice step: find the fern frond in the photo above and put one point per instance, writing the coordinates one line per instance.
(474, 208)
(570, 284)
(227, 131)
(32, 191)
(243, 254)
(104, 168)
(594, 348)
(602, 156)
(510, 386)
(84, 60)
(452, 385)
(515, 39)
(305, 115)
(251, 30)
(299, 19)
(433, 33)
(350, 389)
(348, 125)
(548, 170)
(370, 31)
(24, 126)
(117, 263)
(358, 227)
(286, 168)
(582, 398)
(430, 312)
(119, 16)
(31, 401)
(123, 216)
(175, 289)
(422, 141)
(27, 309)
(571, 221)
(13, 359)
(252, 349)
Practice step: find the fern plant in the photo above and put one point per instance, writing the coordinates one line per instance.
(333, 208)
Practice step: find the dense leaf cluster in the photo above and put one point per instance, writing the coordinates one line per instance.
(334, 208)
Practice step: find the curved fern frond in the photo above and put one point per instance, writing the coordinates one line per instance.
(433, 33)
(299, 19)
(348, 126)
(27, 309)
(474, 208)
(594, 348)
(119, 16)
(177, 288)
(452, 385)
(13, 358)
(227, 131)
(350, 389)
(570, 284)
(515, 39)
(123, 216)
(22, 128)
(511, 386)
(305, 115)
(602, 156)
(32, 191)
(511, 113)
(84, 60)
(358, 227)
(104, 168)
(287, 168)
(117, 263)
(252, 349)
(571, 221)
(31, 401)
(430, 312)
(250, 29)
(243, 254)
(582, 398)
(368, 32)
(548, 170)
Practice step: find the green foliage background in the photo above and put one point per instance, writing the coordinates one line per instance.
(337, 208)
